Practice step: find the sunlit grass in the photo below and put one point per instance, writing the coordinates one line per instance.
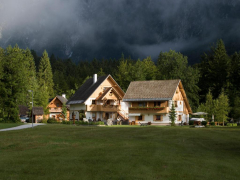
(120, 152)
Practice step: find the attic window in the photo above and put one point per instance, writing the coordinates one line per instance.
(93, 102)
(58, 105)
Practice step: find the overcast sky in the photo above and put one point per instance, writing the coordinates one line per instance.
(84, 29)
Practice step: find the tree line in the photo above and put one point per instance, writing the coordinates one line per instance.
(49, 76)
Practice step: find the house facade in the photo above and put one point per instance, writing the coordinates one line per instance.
(97, 99)
(55, 108)
(151, 101)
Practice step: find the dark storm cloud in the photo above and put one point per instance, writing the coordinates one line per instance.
(106, 28)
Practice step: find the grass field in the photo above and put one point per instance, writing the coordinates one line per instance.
(91, 152)
(9, 125)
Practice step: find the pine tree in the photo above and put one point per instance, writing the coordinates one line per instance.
(222, 109)
(174, 65)
(45, 76)
(45, 80)
(150, 69)
(172, 115)
(215, 70)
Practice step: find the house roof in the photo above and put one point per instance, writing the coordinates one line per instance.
(86, 90)
(37, 110)
(23, 110)
(62, 99)
(151, 90)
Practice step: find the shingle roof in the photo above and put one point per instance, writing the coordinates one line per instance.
(62, 99)
(37, 110)
(151, 90)
(86, 90)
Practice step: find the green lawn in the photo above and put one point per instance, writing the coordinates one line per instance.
(91, 152)
(9, 125)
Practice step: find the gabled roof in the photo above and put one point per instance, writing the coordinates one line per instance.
(86, 90)
(62, 99)
(151, 90)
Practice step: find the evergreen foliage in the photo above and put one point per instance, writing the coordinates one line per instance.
(172, 115)
(22, 69)
(222, 108)
(174, 65)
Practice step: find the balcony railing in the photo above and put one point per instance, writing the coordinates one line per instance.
(147, 108)
(55, 109)
(103, 108)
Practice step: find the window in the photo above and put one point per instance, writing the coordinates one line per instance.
(142, 104)
(175, 104)
(140, 118)
(158, 104)
(108, 102)
(58, 105)
(179, 117)
(93, 101)
(158, 118)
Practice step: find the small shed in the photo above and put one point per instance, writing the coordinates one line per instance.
(37, 114)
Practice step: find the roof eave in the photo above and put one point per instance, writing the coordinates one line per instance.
(146, 99)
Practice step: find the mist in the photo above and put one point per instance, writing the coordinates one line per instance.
(83, 30)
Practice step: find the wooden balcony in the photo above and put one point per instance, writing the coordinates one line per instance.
(108, 108)
(147, 110)
(57, 109)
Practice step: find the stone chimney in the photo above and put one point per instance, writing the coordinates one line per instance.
(64, 95)
(94, 78)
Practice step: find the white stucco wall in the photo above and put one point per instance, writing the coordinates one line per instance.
(125, 106)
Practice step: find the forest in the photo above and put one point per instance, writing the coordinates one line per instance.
(214, 82)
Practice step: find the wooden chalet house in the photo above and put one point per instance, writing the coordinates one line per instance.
(55, 108)
(150, 102)
(97, 99)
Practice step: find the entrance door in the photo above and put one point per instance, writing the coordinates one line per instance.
(107, 116)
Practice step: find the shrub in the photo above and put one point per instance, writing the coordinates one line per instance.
(66, 122)
(204, 123)
(51, 120)
(231, 124)
(212, 123)
(191, 123)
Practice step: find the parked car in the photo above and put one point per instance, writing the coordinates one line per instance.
(24, 119)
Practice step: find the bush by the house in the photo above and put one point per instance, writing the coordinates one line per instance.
(204, 123)
(231, 124)
(52, 121)
(191, 123)
(212, 123)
